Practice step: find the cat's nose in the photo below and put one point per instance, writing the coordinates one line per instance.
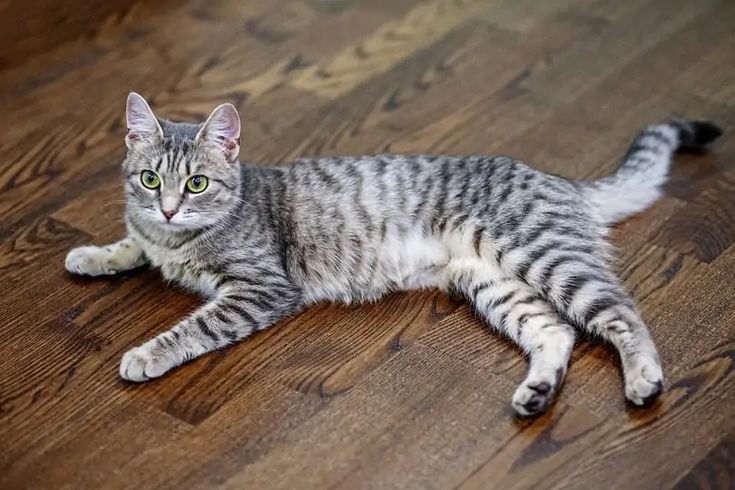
(168, 214)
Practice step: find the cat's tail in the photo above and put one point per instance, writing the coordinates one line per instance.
(645, 168)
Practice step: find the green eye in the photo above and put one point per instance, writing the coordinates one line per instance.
(150, 179)
(197, 184)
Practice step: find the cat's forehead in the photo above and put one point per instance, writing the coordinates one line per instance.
(176, 154)
(178, 135)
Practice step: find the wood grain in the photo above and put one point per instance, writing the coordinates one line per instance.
(409, 392)
(715, 470)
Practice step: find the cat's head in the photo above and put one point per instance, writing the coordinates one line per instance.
(181, 176)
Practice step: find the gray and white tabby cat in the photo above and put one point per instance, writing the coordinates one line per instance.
(527, 249)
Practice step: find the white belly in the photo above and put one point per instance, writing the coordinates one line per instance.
(407, 262)
(413, 262)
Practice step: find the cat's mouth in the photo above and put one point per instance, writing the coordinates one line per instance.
(177, 225)
(171, 224)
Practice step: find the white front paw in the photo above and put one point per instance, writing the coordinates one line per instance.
(146, 362)
(88, 261)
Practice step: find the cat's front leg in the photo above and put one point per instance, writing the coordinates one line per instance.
(110, 259)
(236, 312)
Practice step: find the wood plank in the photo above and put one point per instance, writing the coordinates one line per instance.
(388, 45)
(505, 117)
(705, 392)
(715, 470)
(137, 429)
(28, 29)
(403, 393)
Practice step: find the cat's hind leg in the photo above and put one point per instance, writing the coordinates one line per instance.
(587, 293)
(518, 311)
(602, 306)
(107, 260)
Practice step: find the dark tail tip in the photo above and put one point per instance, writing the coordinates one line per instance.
(695, 135)
(705, 132)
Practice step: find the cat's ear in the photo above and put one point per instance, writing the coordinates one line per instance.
(222, 129)
(142, 124)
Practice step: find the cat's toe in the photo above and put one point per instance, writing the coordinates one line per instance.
(142, 364)
(533, 397)
(76, 260)
(132, 366)
(85, 261)
(644, 384)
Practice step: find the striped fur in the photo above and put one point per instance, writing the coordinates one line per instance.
(527, 249)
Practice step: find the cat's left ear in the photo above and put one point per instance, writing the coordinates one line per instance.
(222, 129)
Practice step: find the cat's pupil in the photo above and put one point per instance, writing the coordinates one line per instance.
(196, 181)
(150, 178)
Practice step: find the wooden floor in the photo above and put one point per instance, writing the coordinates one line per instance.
(411, 392)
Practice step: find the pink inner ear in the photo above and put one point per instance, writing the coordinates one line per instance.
(141, 122)
(223, 125)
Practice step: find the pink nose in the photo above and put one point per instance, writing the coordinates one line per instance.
(168, 214)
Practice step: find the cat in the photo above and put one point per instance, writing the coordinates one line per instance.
(525, 248)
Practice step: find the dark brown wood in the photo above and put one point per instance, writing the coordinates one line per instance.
(411, 392)
(715, 470)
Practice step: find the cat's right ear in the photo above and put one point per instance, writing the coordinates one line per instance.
(143, 126)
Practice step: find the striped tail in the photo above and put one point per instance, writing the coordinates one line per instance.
(645, 168)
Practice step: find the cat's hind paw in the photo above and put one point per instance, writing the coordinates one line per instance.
(644, 383)
(536, 393)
